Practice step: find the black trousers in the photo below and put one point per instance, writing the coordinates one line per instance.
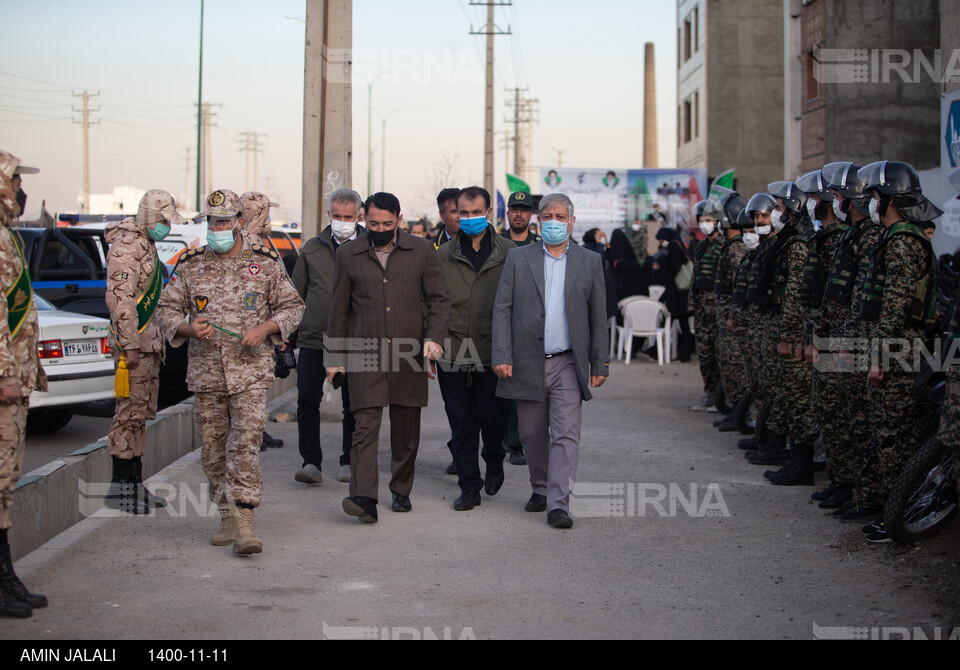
(310, 376)
(474, 410)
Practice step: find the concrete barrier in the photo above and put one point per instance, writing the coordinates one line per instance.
(51, 499)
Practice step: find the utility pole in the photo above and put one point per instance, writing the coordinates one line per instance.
(490, 31)
(200, 112)
(206, 116)
(559, 157)
(529, 107)
(86, 123)
(186, 182)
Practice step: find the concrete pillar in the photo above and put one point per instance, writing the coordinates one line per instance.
(327, 109)
(650, 154)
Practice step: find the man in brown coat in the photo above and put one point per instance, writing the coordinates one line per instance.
(377, 332)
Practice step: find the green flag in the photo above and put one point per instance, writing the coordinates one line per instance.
(515, 184)
(725, 180)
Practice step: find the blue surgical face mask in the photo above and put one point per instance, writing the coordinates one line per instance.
(553, 232)
(474, 226)
(158, 232)
(220, 241)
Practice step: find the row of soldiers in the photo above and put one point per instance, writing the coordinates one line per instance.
(792, 290)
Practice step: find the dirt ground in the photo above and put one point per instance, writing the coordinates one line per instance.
(735, 557)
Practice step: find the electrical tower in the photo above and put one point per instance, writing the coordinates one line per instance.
(250, 143)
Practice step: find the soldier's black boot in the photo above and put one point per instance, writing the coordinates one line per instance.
(825, 493)
(725, 420)
(122, 494)
(840, 497)
(15, 599)
(760, 434)
(143, 493)
(799, 472)
(774, 452)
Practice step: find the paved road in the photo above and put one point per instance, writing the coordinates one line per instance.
(763, 564)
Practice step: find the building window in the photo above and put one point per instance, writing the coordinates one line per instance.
(696, 114)
(686, 40)
(687, 122)
(812, 76)
(696, 29)
(679, 48)
(679, 126)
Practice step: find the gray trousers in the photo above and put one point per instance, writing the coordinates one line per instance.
(550, 432)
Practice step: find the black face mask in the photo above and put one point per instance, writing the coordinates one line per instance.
(21, 201)
(381, 238)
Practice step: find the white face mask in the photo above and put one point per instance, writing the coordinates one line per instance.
(812, 209)
(707, 227)
(751, 240)
(343, 230)
(776, 219)
(763, 230)
(839, 213)
(875, 211)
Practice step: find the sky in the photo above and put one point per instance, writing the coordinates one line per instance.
(582, 61)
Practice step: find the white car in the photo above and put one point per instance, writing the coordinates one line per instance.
(75, 353)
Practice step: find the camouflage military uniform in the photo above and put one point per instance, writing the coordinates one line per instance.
(256, 216)
(230, 381)
(844, 416)
(19, 363)
(821, 318)
(703, 304)
(732, 369)
(794, 405)
(131, 261)
(906, 262)
(744, 316)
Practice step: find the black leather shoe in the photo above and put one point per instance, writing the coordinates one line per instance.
(862, 515)
(748, 443)
(270, 442)
(537, 503)
(467, 501)
(843, 509)
(559, 519)
(401, 503)
(452, 469)
(494, 479)
(365, 509)
(517, 456)
(841, 496)
(727, 419)
(825, 493)
(728, 427)
(10, 606)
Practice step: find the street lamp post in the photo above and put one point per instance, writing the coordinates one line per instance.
(383, 148)
(370, 129)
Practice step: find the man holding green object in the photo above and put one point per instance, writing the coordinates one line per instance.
(228, 287)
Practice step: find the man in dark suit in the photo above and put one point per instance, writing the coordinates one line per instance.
(550, 348)
(380, 336)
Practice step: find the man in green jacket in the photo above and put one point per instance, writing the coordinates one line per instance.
(472, 264)
(313, 278)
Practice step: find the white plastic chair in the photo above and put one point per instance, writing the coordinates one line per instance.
(656, 291)
(644, 317)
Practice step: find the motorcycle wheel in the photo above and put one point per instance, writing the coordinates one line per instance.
(924, 498)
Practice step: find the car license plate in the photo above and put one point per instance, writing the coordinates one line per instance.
(81, 348)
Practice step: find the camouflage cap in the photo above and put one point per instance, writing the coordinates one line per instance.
(8, 164)
(255, 208)
(223, 202)
(158, 200)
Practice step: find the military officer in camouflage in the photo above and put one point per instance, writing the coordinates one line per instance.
(703, 302)
(20, 373)
(134, 283)
(898, 303)
(255, 211)
(232, 299)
